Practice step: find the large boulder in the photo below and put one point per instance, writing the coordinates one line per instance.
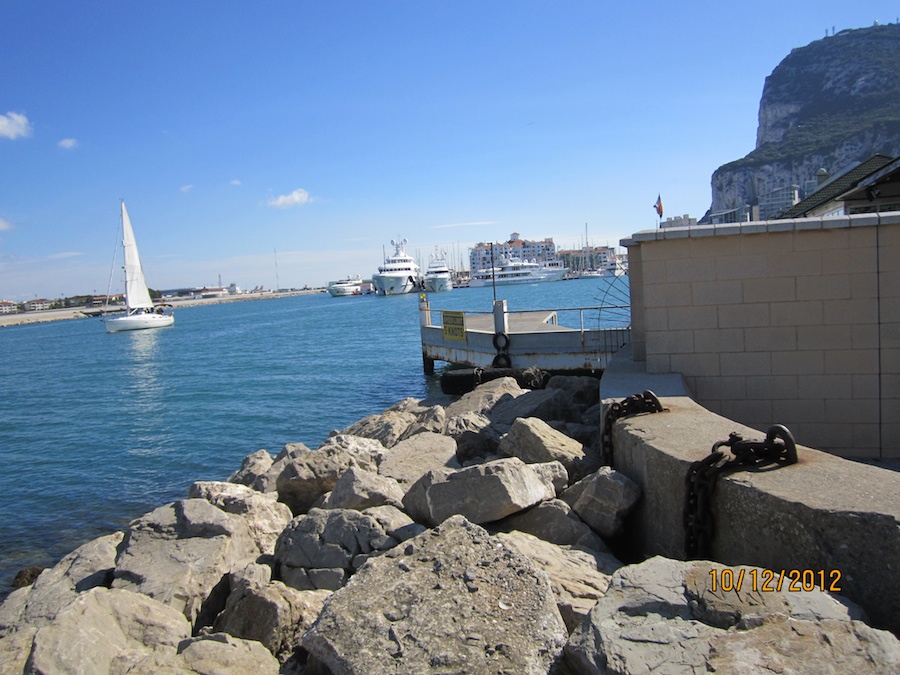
(578, 576)
(485, 397)
(303, 481)
(387, 427)
(410, 459)
(545, 404)
(475, 437)
(271, 613)
(223, 653)
(89, 566)
(486, 492)
(265, 515)
(553, 521)
(431, 419)
(320, 550)
(359, 489)
(453, 599)
(583, 390)
(180, 552)
(104, 629)
(603, 499)
(677, 613)
(532, 440)
(253, 468)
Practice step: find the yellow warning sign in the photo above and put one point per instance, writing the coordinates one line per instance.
(454, 325)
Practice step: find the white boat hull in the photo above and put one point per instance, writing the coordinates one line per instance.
(343, 291)
(389, 284)
(479, 281)
(438, 284)
(115, 324)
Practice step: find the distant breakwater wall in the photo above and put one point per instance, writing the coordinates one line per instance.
(796, 320)
(823, 515)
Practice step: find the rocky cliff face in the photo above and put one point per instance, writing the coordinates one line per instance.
(831, 104)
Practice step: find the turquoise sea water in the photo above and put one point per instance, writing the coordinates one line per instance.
(97, 429)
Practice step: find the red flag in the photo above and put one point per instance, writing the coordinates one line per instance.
(658, 206)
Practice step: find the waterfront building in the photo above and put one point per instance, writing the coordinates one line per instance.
(516, 247)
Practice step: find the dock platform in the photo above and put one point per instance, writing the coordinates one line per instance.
(522, 339)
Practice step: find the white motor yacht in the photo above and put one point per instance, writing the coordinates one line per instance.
(399, 273)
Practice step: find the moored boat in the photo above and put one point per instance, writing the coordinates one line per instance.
(515, 271)
(399, 273)
(437, 274)
(351, 285)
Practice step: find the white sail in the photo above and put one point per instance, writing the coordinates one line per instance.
(137, 296)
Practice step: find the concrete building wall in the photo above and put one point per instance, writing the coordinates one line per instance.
(794, 322)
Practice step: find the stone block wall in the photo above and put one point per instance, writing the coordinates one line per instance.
(792, 321)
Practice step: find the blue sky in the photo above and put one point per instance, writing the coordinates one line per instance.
(322, 130)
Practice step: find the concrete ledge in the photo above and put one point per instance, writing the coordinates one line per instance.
(824, 513)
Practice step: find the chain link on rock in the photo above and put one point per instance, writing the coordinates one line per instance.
(633, 405)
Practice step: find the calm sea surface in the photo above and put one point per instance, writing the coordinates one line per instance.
(96, 429)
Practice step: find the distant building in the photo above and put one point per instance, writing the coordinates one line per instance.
(7, 307)
(480, 255)
(741, 214)
(775, 202)
(37, 305)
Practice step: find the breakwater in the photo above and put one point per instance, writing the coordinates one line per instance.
(476, 535)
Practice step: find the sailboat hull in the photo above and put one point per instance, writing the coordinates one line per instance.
(115, 324)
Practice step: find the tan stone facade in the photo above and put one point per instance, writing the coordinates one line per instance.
(792, 321)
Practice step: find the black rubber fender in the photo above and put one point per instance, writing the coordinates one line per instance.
(501, 342)
(501, 361)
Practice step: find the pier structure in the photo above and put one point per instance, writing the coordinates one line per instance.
(518, 339)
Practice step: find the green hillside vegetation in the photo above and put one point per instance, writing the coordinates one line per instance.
(846, 85)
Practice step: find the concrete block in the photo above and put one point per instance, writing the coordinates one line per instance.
(770, 338)
(772, 387)
(824, 337)
(786, 225)
(696, 270)
(851, 311)
(779, 289)
(852, 361)
(743, 315)
(719, 340)
(717, 292)
(826, 287)
(847, 411)
(721, 388)
(798, 363)
(828, 386)
(805, 313)
(754, 228)
(823, 239)
(746, 363)
(694, 365)
(693, 317)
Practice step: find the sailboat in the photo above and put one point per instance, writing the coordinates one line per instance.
(140, 311)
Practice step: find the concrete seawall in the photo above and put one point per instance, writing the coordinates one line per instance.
(837, 517)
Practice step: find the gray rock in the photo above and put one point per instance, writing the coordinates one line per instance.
(473, 434)
(368, 450)
(532, 440)
(253, 468)
(603, 499)
(387, 427)
(578, 576)
(485, 397)
(432, 419)
(487, 492)
(583, 390)
(15, 649)
(553, 521)
(545, 404)
(222, 653)
(132, 625)
(487, 609)
(179, 553)
(304, 480)
(266, 517)
(267, 481)
(359, 489)
(321, 549)
(415, 501)
(89, 566)
(666, 612)
(412, 458)
(396, 523)
(272, 613)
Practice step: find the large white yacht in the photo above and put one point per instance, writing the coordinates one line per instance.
(399, 273)
(437, 275)
(515, 271)
(351, 285)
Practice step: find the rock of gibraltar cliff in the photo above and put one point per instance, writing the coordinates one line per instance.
(830, 104)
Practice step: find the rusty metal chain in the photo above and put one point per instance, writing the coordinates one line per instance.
(633, 405)
(777, 450)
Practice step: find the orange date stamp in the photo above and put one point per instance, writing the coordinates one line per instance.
(774, 581)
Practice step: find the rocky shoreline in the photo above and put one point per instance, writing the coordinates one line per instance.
(472, 537)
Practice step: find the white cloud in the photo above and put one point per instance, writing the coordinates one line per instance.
(297, 197)
(186, 188)
(67, 144)
(14, 125)
(5, 225)
(235, 182)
